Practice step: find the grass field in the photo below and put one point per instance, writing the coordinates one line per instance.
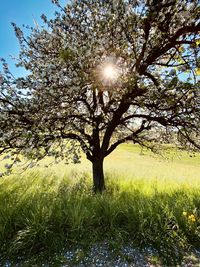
(150, 201)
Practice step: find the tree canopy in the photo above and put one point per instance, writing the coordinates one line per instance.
(101, 73)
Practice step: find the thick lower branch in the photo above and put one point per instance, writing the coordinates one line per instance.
(131, 137)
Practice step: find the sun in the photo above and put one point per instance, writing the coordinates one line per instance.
(110, 72)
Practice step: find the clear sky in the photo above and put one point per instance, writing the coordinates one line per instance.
(21, 12)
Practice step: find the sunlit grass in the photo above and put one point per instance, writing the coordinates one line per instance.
(133, 162)
(44, 210)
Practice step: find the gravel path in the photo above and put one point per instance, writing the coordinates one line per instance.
(102, 256)
(128, 256)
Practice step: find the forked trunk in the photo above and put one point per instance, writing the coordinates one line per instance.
(98, 176)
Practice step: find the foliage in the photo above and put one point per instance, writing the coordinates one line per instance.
(66, 102)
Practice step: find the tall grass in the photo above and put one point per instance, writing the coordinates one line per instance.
(42, 213)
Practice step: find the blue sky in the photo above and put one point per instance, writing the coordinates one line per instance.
(21, 12)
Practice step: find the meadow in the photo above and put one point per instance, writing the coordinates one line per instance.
(150, 201)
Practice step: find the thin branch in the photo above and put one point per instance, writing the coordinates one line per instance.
(154, 80)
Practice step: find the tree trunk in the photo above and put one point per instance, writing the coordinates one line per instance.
(98, 176)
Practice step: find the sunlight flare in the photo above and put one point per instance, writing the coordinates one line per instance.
(110, 72)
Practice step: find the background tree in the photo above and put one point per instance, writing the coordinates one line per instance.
(102, 73)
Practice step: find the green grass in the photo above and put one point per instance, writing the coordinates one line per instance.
(44, 210)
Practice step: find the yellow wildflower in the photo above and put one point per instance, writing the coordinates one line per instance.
(192, 218)
(198, 42)
(197, 71)
(184, 213)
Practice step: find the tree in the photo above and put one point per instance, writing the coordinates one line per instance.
(102, 73)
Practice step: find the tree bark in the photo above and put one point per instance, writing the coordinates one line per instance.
(98, 175)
